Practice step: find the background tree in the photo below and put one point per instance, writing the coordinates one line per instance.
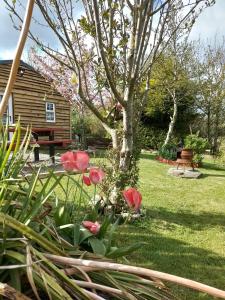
(176, 69)
(171, 104)
(124, 39)
(209, 65)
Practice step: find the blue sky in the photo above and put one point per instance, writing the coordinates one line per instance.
(210, 23)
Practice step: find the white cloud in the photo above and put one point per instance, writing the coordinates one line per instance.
(7, 54)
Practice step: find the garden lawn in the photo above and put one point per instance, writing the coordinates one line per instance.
(184, 226)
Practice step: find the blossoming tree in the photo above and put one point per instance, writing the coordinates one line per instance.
(106, 60)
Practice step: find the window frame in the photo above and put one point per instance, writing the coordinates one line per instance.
(50, 111)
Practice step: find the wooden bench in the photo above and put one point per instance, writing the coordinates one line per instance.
(51, 144)
(62, 143)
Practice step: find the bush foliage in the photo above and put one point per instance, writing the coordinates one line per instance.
(198, 145)
(151, 138)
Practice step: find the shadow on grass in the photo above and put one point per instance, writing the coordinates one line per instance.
(148, 156)
(185, 218)
(212, 166)
(204, 175)
(178, 258)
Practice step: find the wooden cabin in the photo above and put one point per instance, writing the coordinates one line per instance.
(34, 100)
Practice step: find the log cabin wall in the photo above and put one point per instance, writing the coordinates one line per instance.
(30, 94)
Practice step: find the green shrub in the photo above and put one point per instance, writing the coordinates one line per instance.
(219, 158)
(151, 138)
(168, 152)
(198, 145)
(87, 124)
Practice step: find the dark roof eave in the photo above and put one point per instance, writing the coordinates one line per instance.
(22, 63)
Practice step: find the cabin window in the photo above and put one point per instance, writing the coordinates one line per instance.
(50, 112)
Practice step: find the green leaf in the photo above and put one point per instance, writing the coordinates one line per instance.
(15, 279)
(97, 246)
(76, 234)
(50, 284)
(62, 216)
(104, 227)
(30, 233)
(63, 277)
(42, 197)
(110, 234)
(84, 234)
(125, 250)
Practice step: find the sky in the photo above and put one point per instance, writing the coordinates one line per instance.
(210, 23)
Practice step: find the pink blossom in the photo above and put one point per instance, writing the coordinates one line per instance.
(75, 161)
(92, 227)
(62, 77)
(96, 175)
(133, 198)
(82, 160)
(68, 162)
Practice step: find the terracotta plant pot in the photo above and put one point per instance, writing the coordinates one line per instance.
(187, 154)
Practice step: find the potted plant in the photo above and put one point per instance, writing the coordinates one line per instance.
(187, 153)
(195, 145)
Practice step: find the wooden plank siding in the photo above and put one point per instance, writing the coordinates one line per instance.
(30, 94)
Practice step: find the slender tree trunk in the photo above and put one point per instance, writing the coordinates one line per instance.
(114, 135)
(115, 142)
(127, 140)
(172, 122)
(209, 134)
(124, 161)
(216, 134)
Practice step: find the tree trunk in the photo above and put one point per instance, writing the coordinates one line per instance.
(172, 122)
(127, 140)
(209, 128)
(123, 160)
(114, 135)
(216, 134)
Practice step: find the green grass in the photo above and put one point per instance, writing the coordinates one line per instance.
(184, 225)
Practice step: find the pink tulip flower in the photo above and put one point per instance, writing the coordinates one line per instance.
(86, 180)
(96, 175)
(75, 161)
(133, 198)
(92, 227)
(67, 160)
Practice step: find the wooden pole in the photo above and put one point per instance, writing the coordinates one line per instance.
(103, 265)
(16, 61)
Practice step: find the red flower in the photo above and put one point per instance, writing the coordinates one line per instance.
(92, 227)
(86, 180)
(75, 161)
(133, 198)
(96, 175)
